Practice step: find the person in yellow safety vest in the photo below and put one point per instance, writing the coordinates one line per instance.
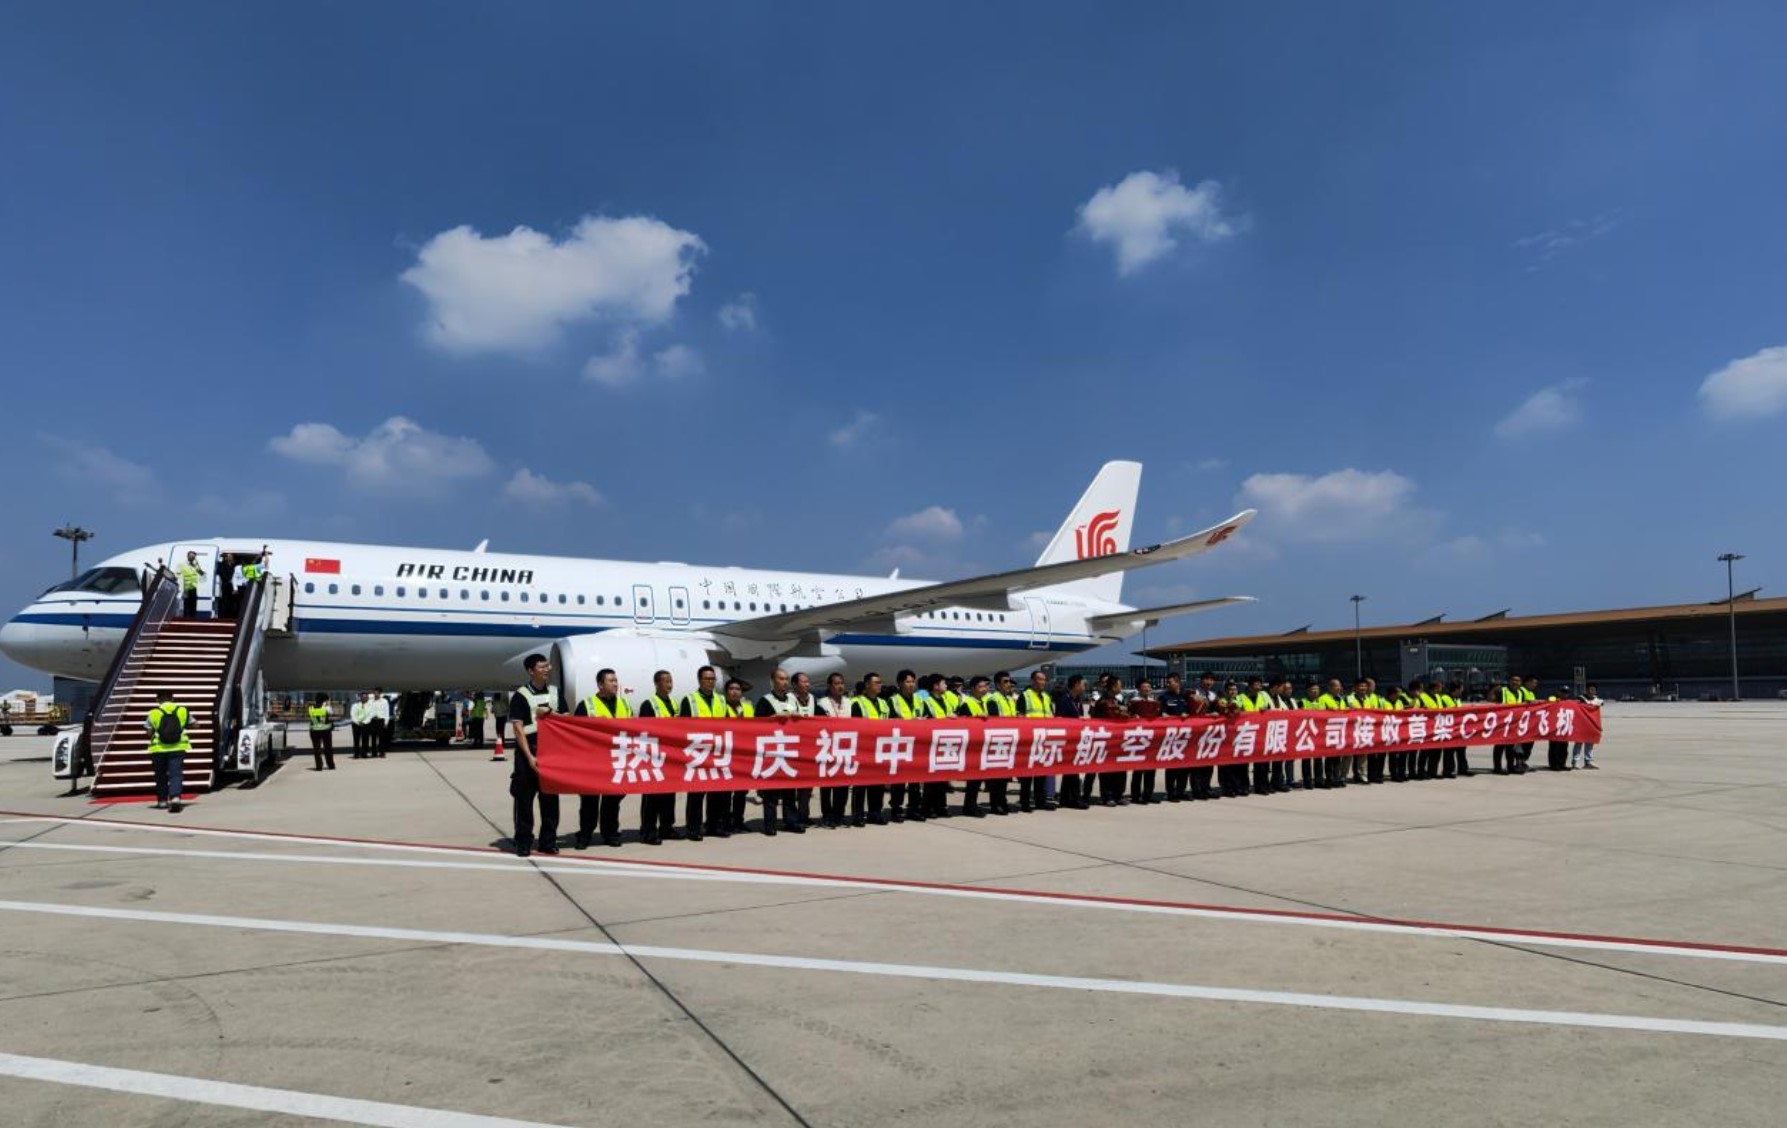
(980, 701)
(657, 813)
(1529, 693)
(737, 801)
(1258, 699)
(953, 696)
(905, 800)
(1334, 699)
(190, 575)
(1035, 793)
(1506, 757)
(1454, 762)
(537, 697)
(933, 796)
(1312, 770)
(869, 705)
(170, 739)
(474, 719)
(601, 812)
(1423, 696)
(1279, 775)
(322, 732)
(704, 812)
(1360, 698)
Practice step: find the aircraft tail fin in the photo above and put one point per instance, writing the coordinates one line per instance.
(1099, 525)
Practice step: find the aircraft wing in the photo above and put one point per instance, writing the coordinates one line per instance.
(991, 593)
(1147, 617)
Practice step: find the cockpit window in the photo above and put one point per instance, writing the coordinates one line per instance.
(105, 581)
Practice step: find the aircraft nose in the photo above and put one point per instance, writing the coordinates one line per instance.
(18, 640)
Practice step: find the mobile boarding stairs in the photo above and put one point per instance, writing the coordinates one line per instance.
(212, 666)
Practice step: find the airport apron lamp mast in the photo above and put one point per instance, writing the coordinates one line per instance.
(74, 535)
(1729, 559)
(1358, 644)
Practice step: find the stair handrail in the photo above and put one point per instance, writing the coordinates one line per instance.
(161, 594)
(243, 664)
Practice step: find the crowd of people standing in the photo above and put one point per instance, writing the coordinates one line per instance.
(721, 814)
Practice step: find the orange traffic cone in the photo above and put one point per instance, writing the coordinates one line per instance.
(498, 753)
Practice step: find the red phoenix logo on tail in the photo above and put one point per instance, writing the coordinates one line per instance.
(1097, 537)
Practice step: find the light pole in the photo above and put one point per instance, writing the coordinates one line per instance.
(1358, 645)
(74, 535)
(1731, 558)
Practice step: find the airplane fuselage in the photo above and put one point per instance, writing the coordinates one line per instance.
(419, 618)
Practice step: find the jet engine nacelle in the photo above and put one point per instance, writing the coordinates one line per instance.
(633, 657)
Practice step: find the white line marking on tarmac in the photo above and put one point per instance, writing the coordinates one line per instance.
(598, 868)
(292, 1103)
(920, 971)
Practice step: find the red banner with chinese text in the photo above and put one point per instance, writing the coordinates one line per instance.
(645, 756)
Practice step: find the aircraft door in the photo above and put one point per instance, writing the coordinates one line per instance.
(643, 611)
(1039, 623)
(208, 583)
(679, 606)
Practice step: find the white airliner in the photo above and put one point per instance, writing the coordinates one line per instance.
(417, 619)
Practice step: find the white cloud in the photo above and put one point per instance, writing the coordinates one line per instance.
(1548, 409)
(516, 292)
(528, 488)
(679, 361)
(91, 466)
(935, 524)
(1545, 246)
(854, 431)
(1209, 465)
(1749, 388)
(619, 367)
(397, 457)
(1342, 505)
(740, 314)
(623, 365)
(1141, 214)
(251, 506)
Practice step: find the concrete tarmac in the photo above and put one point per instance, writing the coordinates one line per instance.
(1583, 948)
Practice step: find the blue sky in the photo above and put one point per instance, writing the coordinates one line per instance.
(1483, 308)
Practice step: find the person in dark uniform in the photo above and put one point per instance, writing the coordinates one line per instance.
(601, 812)
(868, 704)
(805, 705)
(1173, 704)
(702, 811)
(1075, 795)
(657, 813)
(735, 801)
(536, 698)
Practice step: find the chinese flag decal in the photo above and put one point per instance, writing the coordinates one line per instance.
(328, 567)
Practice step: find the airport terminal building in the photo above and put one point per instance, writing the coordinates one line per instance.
(1638, 652)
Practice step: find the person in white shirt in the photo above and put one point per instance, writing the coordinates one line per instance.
(378, 723)
(359, 714)
(1582, 751)
(832, 800)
